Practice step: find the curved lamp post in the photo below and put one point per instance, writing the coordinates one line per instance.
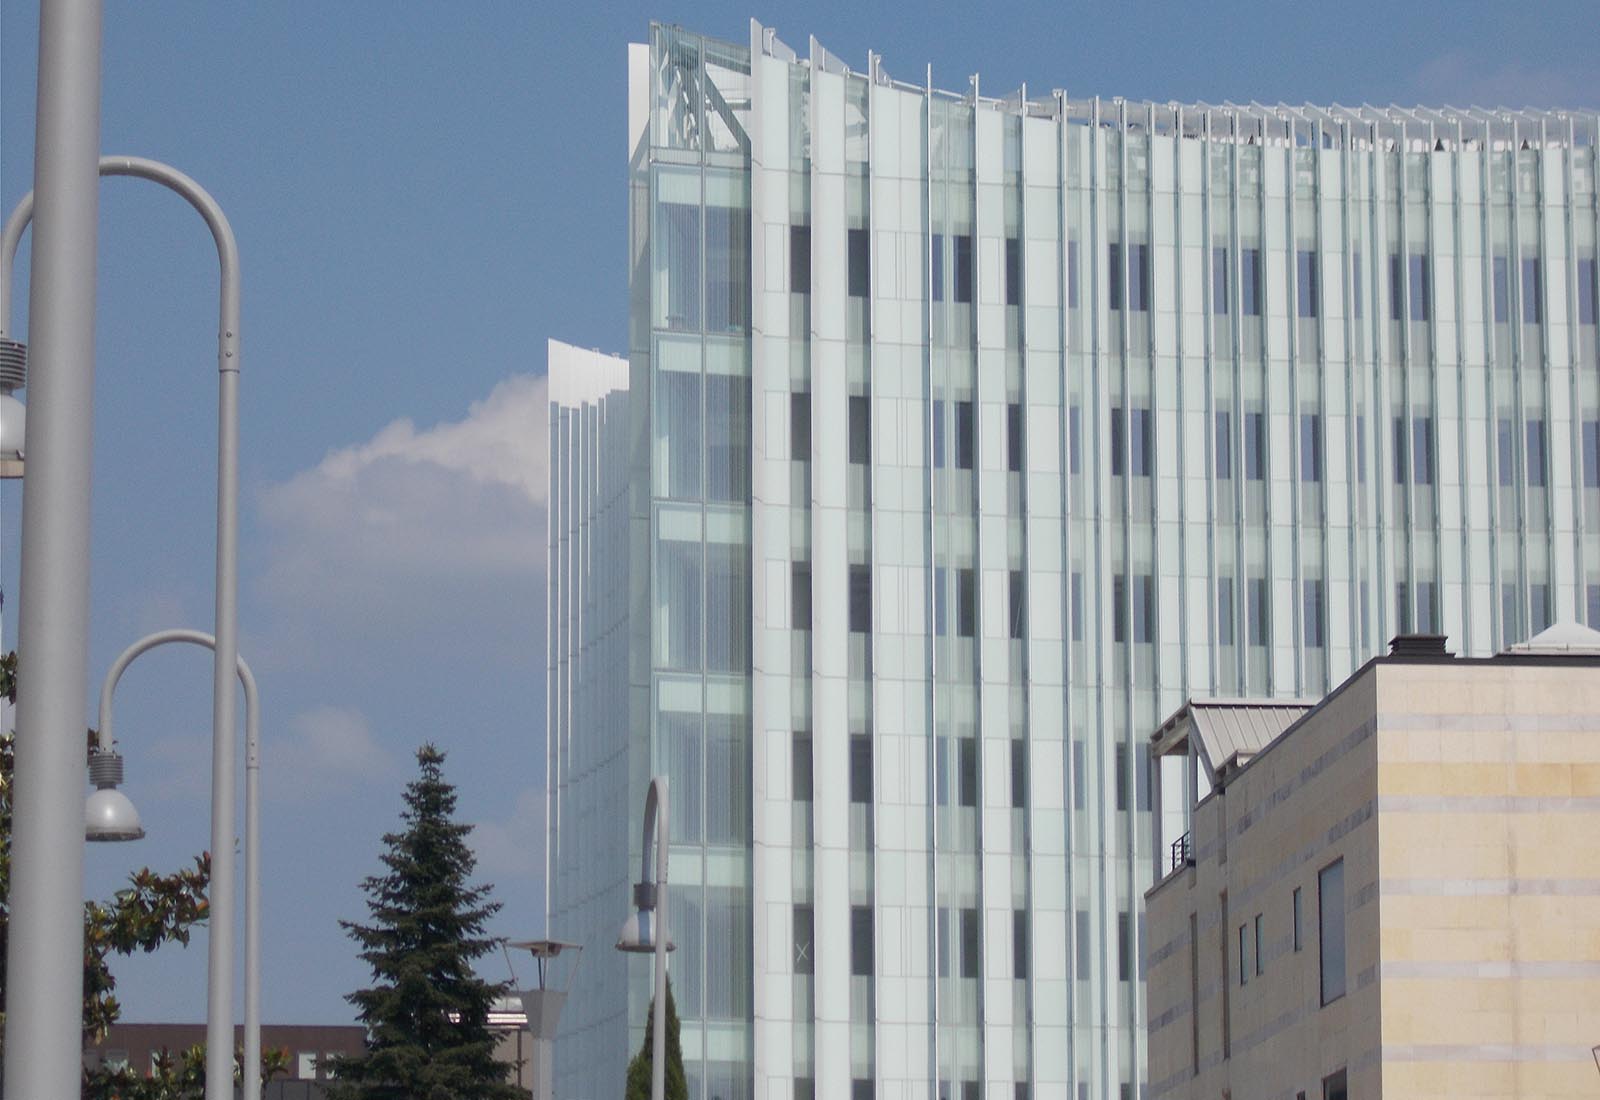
(109, 815)
(645, 931)
(219, 991)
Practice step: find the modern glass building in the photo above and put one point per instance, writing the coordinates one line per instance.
(968, 437)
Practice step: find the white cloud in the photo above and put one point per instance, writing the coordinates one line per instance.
(327, 749)
(514, 845)
(1462, 80)
(416, 528)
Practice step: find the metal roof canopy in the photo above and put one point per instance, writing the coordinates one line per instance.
(1225, 733)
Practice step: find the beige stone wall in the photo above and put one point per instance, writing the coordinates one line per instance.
(1489, 785)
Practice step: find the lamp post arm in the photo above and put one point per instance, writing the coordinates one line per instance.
(166, 637)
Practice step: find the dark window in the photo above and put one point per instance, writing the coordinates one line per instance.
(1219, 280)
(1114, 275)
(1144, 609)
(800, 259)
(1536, 453)
(1020, 1091)
(1225, 633)
(1592, 601)
(1121, 777)
(1250, 281)
(1539, 606)
(1532, 287)
(805, 1088)
(727, 268)
(941, 603)
(727, 435)
(1081, 944)
(1019, 943)
(861, 940)
(943, 936)
(805, 959)
(1014, 437)
(1402, 606)
(1258, 611)
(1072, 274)
(1077, 607)
(1586, 291)
(938, 434)
(965, 446)
(962, 268)
(1421, 289)
(863, 1088)
(860, 260)
(1510, 611)
(971, 939)
(1138, 276)
(1422, 449)
(1400, 450)
(1019, 768)
(1255, 446)
(861, 599)
(1505, 452)
(800, 594)
(1502, 290)
(967, 770)
(1310, 447)
(800, 427)
(1244, 954)
(1017, 603)
(800, 754)
(971, 1090)
(861, 768)
(1330, 930)
(1138, 447)
(1080, 777)
(1298, 916)
(1124, 948)
(1013, 271)
(1312, 601)
(966, 603)
(860, 429)
(1224, 448)
(937, 265)
(1334, 1087)
(1591, 454)
(1306, 283)
(1261, 961)
(1427, 607)
(1074, 447)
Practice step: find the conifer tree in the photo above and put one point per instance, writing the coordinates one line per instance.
(427, 1012)
(675, 1085)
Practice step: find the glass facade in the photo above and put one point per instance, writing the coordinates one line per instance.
(968, 438)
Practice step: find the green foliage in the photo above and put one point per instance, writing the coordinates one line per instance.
(676, 1085)
(427, 1012)
(180, 1076)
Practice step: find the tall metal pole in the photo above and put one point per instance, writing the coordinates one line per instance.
(252, 830)
(656, 812)
(44, 956)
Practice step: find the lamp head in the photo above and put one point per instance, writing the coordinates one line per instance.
(109, 814)
(638, 935)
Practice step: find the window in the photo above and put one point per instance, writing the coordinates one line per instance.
(1124, 947)
(941, 615)
(1261, 962)
(1312, 616)
(1143, 610)
(1539, 607)
(1137, 448)
(1402, 607)
(861, 599)
(1592, 602)
(1427, 607)
(1421, 288)
(1586, 291)
(1355, 276)
(861, 768)
(936, 272)
(1306, 283)
(942, 934)
(1510, 611)
(861, 941)
(971, 938)
(862, 1088)
(1224, 610)
(1591, 454)
(1081, 943)
(1074, 448)
(800, 594)
(1255, 446)
(859, 260)
(1422, 449)
(727, 268)
(800, 764)
(1502, 290)
(1532, 296)
(1219, 280)
(1334, 1087)
(1415, 265)
(1224, 445)
(937, 430)
(967, 770)
(962, 268)
(1017, 604)
(1077, 607)
(1072, 274)
(1536, 464)
(965, 447)
(800, 426)
(1121, 778)
(1244, 954)
(966, 603)
(1505, 452)
(1019, 943)
(1019, 768)
(1138, 275)
(1258, 612)
(305, 1065)
(800, 259)
(1330, 930)
(1013, 271)
(1014, 437)
(1361, 450)
(860, 429)
(1310, 447)
(678, 243)
(1298, 942)
(1250, 282)
(805, 1088)
(1080, 777)
(805, 959)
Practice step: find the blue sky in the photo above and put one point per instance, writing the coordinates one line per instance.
(422, 194)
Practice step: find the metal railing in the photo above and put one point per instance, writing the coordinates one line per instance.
(1180, 854)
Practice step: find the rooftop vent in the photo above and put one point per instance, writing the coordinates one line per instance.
(1419, 645)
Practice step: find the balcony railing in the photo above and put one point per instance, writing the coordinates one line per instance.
(1179, 854)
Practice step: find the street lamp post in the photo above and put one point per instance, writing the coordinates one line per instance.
(645, 931)
(106, 825)
(55, 603)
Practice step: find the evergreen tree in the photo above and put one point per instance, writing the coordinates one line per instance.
(427, 1013)
(676, 1085)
